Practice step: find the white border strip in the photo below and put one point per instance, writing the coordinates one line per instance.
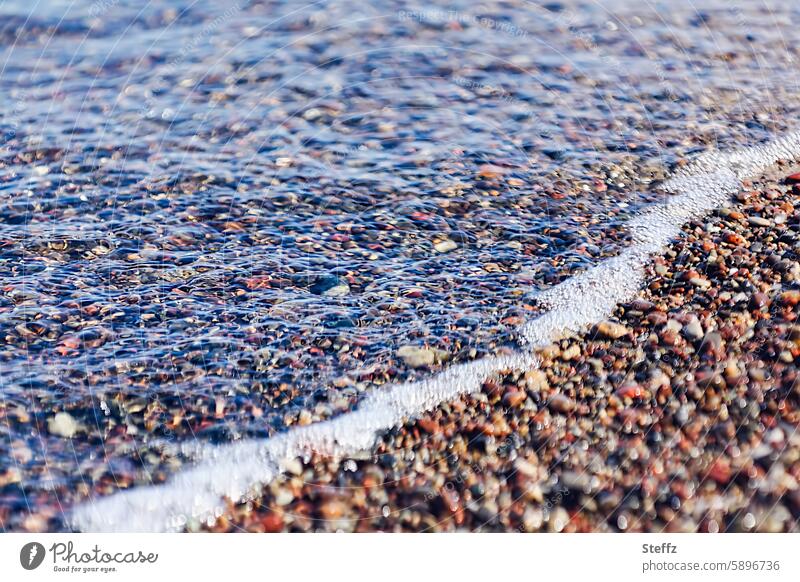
(238, 471)
(365, 557)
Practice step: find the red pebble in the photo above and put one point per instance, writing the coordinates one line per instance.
(720, 471)
(793, 179)
(631, 391)
(272, 522)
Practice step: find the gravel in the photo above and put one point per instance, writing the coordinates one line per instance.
(682, 422)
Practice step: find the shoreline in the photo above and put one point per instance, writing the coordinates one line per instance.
(683, 408)
(351, 433)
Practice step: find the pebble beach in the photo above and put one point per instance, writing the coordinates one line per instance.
(219, 225)
(678, 415)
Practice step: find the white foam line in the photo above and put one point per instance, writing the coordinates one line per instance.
(239, 470)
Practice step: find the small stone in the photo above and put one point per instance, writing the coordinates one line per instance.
(304, 418)
(532, 519)
(11, 475)
(632, 391)
(514, 398)
(526, 468)
(611, 330)
(683, 414)
(759, 301)
(693, 330)
(749, 521)
(338, 290)
(713, 340)
(759, 221)
(642, 305)
(445, 246)
(293, 466)
(428, 425)
(416, 357)
(732, 372)
(561, 404)
(701, 282)
(550, 352)
(720, 471)
(272, 522)
(571, 353)
(490, 171)
(559, 519)
(332, 509)
(330, 286)
(283, 497)
(63, 425)
(669, 337)
(536, 380)
(790, 298)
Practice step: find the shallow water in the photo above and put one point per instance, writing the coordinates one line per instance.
(220, 221)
